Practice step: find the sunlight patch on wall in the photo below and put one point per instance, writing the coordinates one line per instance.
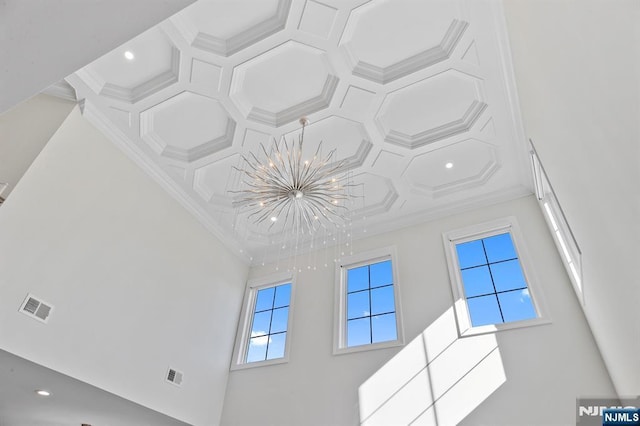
(437, 379)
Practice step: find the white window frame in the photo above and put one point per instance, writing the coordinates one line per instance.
(484, 230)
(246, 321)
(565, 241)
(340, 316)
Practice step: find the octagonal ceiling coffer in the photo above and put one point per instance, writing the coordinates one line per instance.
(187, 127)
(432, 109)
(213, 181)
(377, 195)
(136, 70)
(348, 138)
(244, 23)
(384, 41)
(461, 165)
(281, 85)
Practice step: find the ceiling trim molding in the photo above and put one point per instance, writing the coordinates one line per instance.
(422, 60)
(264, 90)
(511, 90)
(461, 125)
(62, 90)
(455, 208)
(104, 125)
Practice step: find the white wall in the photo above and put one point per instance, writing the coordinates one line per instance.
(137, 283)
(21, 141)
(578, 74)
(546, 366)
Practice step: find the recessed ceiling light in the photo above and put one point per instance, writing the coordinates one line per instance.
(273, 218)
(129, 55)
(448, 165)
(43, 392)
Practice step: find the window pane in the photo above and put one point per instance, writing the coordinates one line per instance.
(276, 346)
(471, 254)
(283, 295)
(381, 274)
(261, 322)
(484, 310)
(508, 275)
(516, 305)
(279, 320)
(358, 304)
(477, 281)
(257, 349)
(499, 247)
(357, 279)
(358, 332)
(383, 328)
(264, 300)
(382, 300)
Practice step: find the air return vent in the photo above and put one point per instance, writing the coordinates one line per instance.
(174, 376)
(36, 308)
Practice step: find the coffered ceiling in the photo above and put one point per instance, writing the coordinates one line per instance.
(399, 88)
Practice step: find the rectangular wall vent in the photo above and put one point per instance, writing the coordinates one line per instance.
(36, 308)
(174, 376)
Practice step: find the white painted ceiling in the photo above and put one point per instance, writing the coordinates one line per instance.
(71, 403)
(399, 88)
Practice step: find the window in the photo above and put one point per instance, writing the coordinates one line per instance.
(264, 323)
(368, 313)
(560, 230)
(491, 283)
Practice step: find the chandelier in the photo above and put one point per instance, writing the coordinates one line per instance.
(287, 191)
(295, 200)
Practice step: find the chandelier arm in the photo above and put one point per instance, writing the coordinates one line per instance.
(291, 169)
(307, 220)
(309, 175)
(324, 161)
(327, 173)
(264, 150)
(325, 189)
(273, 169)
(309, 170)
(299, 166)
(248, 163)
(335, 168)
(277, 174)
(269, 211)
(262, 215)
(286, 215)
(321, 210)
(326, 209)
(257, 170)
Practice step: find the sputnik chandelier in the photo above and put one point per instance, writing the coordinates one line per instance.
(285, 192)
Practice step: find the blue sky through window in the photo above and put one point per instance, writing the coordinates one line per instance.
(371, 316)
(269, 325)
(494, 284)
